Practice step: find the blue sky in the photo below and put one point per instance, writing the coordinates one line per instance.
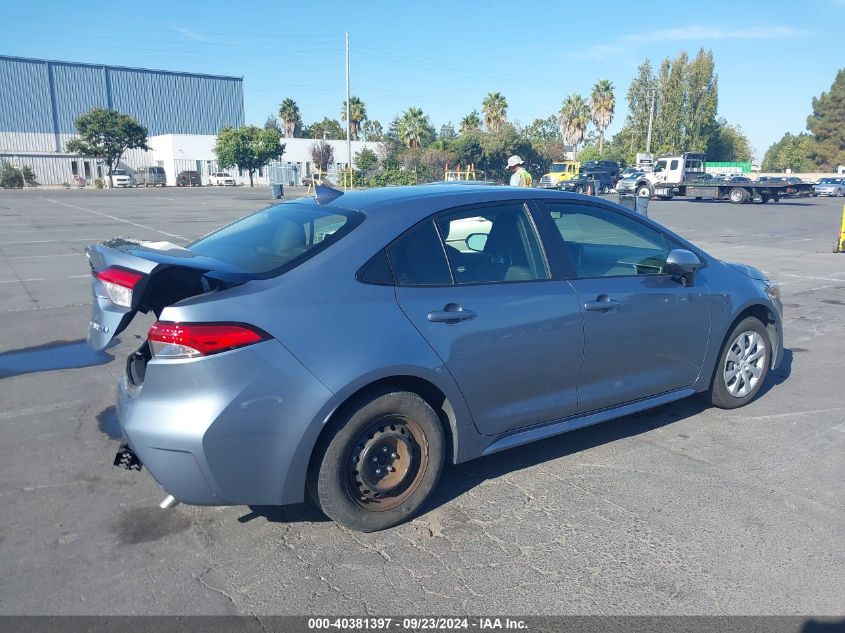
(772, 57)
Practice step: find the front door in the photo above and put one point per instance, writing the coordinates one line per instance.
(476, 284)
(644, 333)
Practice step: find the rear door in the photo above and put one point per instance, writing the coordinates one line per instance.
(644, 333)
(477, 285)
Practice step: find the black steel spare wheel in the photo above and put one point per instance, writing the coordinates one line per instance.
(386, 463)
(378, 461)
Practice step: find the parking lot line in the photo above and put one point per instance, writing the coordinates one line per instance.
(106, 215)
(14, 281)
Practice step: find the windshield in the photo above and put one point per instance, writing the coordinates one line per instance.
(119, 172)
(559, 167)
(829, 181)
(277, 238)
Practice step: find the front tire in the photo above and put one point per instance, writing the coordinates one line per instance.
(644, 191)
(743, 365)
(382, 462)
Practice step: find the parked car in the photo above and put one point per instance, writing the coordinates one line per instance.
(121, 178)
(188, 179)
(725, 178)
(830, 187)
(221, 178)
(602, 165)
(601, 180)
(335, 348)
(629, 183)
(150, 176)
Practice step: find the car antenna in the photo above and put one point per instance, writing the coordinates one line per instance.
(324, 195)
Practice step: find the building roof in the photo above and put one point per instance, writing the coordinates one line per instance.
(132, 68)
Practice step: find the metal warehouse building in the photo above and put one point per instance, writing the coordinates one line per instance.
(40, 99)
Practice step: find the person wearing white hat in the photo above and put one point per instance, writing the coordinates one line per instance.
(519, 175)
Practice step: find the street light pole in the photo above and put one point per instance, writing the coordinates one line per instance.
(348, 122)
(650, 121)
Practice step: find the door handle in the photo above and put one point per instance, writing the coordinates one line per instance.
(451, 313)
(603, 303)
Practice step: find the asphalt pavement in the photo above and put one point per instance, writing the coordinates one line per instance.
(680, 510)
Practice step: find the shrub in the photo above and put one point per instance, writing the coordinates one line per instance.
(98, 183)
(10, 178)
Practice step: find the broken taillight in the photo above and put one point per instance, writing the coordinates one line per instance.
(118, 284)
(189, 340)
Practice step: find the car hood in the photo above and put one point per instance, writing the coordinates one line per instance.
(749, 271)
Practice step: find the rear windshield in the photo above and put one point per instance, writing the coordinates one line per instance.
(276, 239)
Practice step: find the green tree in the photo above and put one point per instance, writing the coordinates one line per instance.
(603, 105)
(106, 135)
(790, 152)
(366, 159)
(247, 147)
(495, 109)
(290, 116)
(12, 177)
(827, 123)
(272, 123)
(639, 98)
(414, 128)
(574, 119)
(728, 143)
(701, 102)
(357, 114)
(542, 130)
(372, 130)
(447, 132)
(471, 123)
(327, 128)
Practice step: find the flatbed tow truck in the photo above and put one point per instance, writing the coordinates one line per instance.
(683, 175)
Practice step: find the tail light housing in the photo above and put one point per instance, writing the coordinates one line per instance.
(119, 284)
(190, 340)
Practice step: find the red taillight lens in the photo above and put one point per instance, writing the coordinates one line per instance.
(188, 340)
(118, 284)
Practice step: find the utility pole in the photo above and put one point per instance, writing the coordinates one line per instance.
(348, 122)
(650, 121)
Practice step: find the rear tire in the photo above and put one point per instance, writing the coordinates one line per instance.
(382, 462)
(579, 189)
(605, 189)
(738, 195)
(743, 365)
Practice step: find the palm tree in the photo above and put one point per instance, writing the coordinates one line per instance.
(574, 119)
(289, 114)
(495, 108)
(603, 105)
(357, 113)
(471, 123)
(412, 126)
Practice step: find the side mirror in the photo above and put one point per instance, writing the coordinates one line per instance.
(683, 264)
(476, 241)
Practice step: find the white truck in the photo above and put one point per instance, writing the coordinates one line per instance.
(682, 174)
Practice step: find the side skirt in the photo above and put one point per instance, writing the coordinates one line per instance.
(535, 433)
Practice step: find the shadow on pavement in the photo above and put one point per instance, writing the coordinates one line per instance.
(49, 357)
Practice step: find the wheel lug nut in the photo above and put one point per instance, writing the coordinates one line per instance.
(378, 471)
(390, 469)
(375, 459)
(393, 455)
(384, 450)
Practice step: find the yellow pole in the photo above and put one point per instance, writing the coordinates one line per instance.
(840, 243)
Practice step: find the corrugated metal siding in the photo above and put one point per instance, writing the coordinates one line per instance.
(77, 90)
(45, 97)
(24, 99)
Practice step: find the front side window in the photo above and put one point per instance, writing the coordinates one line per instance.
(492, 244)
(602, 243)
(277, 238)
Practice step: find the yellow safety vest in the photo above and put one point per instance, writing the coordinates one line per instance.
(525, 179)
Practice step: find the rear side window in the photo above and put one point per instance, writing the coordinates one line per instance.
(418, 259)
(278, 238)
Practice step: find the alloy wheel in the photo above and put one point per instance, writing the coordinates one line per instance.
(744, 364)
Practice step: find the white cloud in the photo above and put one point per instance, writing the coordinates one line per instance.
(693, 32)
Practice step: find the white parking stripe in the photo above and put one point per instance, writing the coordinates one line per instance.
(106, 215)
(14, 281)
(8, 415)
